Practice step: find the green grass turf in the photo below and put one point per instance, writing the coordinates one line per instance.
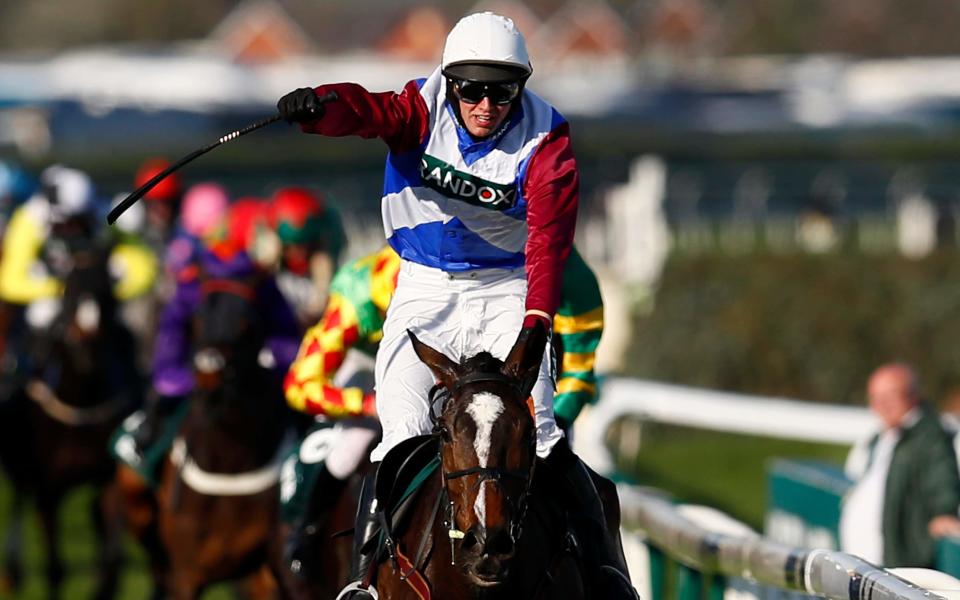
(79, 555)
(724, 470)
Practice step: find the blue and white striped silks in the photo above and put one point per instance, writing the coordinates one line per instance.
(456, 204)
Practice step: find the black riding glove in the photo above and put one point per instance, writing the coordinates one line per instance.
(300, 105)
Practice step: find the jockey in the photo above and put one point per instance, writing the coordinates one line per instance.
(318, 383)
(311, 239)
(480, 202)
(202, 218)
(359, 296)
(247, 224)
(162, 203)
(172, 378)
(43, 234)
(136, 260)
(16, 185)
(55, 220)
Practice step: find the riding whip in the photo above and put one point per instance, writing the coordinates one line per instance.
(127, 202)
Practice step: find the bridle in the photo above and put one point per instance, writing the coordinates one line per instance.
(211, 363)
(483, 473)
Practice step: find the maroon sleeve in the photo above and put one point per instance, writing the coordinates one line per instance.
(552, 192)
(398, 119)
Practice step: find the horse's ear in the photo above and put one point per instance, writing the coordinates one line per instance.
(525, 357)
(443, 368)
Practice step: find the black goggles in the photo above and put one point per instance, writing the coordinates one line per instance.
(473, 92)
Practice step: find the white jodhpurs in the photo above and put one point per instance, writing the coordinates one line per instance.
(459, 314)
(354, 436)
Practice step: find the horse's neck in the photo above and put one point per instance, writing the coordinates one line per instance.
(81, 384)
(226, 437)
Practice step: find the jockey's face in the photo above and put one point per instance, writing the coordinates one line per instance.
(484, 117)
(296, 258)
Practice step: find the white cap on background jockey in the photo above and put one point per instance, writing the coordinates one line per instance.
(68, 191)
(485, 47)
(134, 219)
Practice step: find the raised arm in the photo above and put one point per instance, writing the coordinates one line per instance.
(552, 190)
(399, 119)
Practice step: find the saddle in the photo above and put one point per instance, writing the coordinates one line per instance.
(402, 473)
(146, 461)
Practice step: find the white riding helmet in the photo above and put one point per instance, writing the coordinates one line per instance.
(69, 192)
(485, 47)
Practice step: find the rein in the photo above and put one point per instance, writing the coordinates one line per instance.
(47, 399)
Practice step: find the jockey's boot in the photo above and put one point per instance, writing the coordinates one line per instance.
(607, 571)
(156, 413)
(365, 529)
(303, 544)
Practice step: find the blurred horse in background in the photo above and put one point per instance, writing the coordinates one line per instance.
(216, 502)
(81, 383)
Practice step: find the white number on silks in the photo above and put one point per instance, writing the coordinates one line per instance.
(314, 448)
(288, 479)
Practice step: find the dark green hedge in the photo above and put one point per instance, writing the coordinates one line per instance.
(802, 326)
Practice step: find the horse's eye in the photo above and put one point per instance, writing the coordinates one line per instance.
(445, 433)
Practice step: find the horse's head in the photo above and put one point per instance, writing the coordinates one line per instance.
(228, 334)
(488, 449)
(88, 306)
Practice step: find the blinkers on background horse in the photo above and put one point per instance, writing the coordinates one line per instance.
(53, 437)
(484, 525)
(217, 496)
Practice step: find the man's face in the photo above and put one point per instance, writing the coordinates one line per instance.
(890, 395)
(484, 117)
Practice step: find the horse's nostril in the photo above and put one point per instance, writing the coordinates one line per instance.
(470, 540)
(500, 544)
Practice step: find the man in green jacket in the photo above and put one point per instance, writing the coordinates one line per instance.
(907, 488)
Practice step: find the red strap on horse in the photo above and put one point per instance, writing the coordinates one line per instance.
(228, 286)
(413, 577)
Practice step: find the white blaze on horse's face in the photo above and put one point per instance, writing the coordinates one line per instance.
(485, 408)
(88, 314)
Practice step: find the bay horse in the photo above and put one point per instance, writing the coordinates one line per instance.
(53, 437)
(484, 525)
(216, 501)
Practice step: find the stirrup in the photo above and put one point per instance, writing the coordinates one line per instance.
(357, 586)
